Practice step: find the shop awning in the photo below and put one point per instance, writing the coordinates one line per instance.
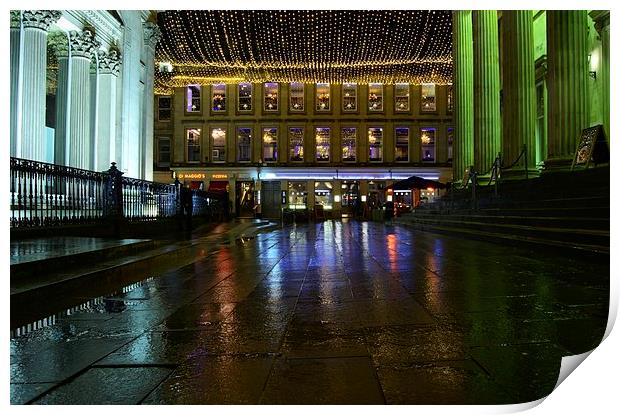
(415, 182)
(218, 186)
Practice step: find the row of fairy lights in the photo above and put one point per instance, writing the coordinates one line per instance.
(209, 46)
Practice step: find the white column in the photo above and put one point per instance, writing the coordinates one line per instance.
(152, 34)
(15, 61)
(34, 66)
(73, 100)
(105, 133)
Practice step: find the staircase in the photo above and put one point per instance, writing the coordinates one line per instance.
(562, 210)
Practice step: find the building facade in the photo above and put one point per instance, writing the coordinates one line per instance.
(300, 145)
(82, 88)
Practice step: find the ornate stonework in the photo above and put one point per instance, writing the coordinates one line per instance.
(83, 44)
(39, 19)
(15, 18)
(109, 62)
(152, 34)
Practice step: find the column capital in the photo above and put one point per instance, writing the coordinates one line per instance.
(39, 19)
(109, 62)
(15, 19)
(601, 19)
(152, 34)
(83, 43)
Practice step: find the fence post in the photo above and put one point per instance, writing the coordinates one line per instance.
(114, 198)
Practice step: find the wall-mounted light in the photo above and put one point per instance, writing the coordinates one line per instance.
(337, 198)
(364, 197)
(592, 74)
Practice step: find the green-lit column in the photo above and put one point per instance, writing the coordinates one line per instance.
(463, 60)
(601, 22)
(487, 122)
(519, 112)
(567, 83)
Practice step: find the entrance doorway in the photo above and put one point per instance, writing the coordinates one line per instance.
(270, 199)
(244, 202)
(351, 204)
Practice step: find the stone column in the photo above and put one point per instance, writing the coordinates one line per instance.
(104, 144)
(73, 100)
(152, 34)
(601, 23)
(33, 81)
(463, 60)
(15, 65)
(519, 111)
(487, 122)
(567, 83)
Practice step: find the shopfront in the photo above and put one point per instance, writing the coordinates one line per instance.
(244, 199)
(350, 198)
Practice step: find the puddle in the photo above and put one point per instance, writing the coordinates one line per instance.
(109, 303)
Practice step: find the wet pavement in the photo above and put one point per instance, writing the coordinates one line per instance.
(328, 313)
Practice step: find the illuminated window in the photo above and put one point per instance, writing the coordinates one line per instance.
(164, 108)
(450, 98)
(270, 94)
(192, 98)
(349, 144)
(270, 144)
(297, 195)
(322, 97)
(244, 144)
(296, 97)
(218, 144)
(401, 97)
(349, 97)
(375, 97)
(218, 97)
(192, 138)
(323, 194)
(323, 141)
(450, 141)
(296, 143)
(375, 144)
(244, 97)
(427, 141)
(428, 97)
(163, 152)
(402, 144)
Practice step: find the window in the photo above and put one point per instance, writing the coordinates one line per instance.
(450, 141)
(401, 97)
(192, 95)
(297, 195)
(270, 144)
(349, 144)
(375, 144)
(375, 97)
(218, 97)
(163, 152)
(349, 97)
(244, 97)
(427, 140)
(323, 194)
(450, 98)
(296, 143)
(402, 144)
(270, 95)
(322, 97)
(323, 141)
(428, 97)
(244, 144)
(192, 137)
(164, 108)
(218, 145)
(297, 97)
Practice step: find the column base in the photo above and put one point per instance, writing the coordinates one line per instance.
(556, 165)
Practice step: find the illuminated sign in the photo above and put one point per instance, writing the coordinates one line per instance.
(191, 175)
(219, 176)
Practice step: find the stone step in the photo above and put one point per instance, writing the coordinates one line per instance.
(536, 221)
(574, 212)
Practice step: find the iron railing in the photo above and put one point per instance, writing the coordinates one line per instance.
(45, 195)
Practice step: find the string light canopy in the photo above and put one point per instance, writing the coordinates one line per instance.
(316, 46)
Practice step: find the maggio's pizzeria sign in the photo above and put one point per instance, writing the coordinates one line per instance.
(191, 175)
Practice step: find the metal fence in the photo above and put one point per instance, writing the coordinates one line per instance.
(46, 195)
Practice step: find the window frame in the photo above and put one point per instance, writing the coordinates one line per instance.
(382, 128)
(288, 142)
(396, 128)
(303, 98)
(434, 160)
(382, 96)
(408, 95)
(429, 111)
(225, 99)
(316, 98)
(356, 128)
(237, 128)
(262, 142)
(212, 142)
(238, 106)
(329, 153)
(159, 162)
(186, 98)
(278, 97)
(450, 146)
(159, 108)
(357, 107)
(186, 145)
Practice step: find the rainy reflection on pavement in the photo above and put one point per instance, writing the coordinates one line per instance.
(335, 312)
